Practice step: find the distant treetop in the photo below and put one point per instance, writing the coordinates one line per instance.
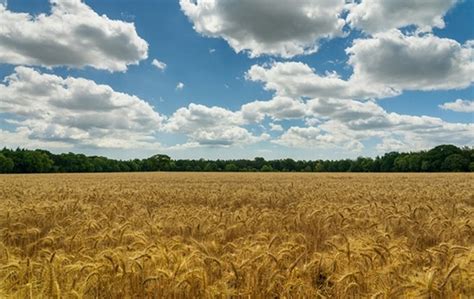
(443, 158)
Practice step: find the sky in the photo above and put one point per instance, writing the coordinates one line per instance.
(229, 79)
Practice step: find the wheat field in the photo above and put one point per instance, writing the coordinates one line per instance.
(208, 235)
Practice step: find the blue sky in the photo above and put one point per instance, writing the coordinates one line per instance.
(322, 79)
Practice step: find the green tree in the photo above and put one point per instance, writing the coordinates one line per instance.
(425, 166)
(402, 163)
(258, 162)
(440, 158)
(210, 166)
(437, 155)
(455, 162)
(414, 162)
(36, 162)
(361, 165)
(157, 163)
(319, 166)
(231, 167)
(388, 161)
(6, 164)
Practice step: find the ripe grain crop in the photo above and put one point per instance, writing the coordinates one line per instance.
(207, 235)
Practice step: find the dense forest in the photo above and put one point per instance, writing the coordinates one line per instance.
(443, 158)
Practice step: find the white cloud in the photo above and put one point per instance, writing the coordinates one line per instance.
(409, 132)
(212, 50)
(20, 138)
(159, 64)
(313, 137)
(296, 79)
(277, 108)
(72, 35)
(225, 136)
(275, 127)
(391, 144)
(369, 119)
(331, 125)
(281, 28)
(402, 62)
(423, 132)
(312, 121)
(459, 106)
(76, 111)
(381, 15)
(63, 112)
(384, 65)
(344, 110)
(196, 116)
(345, 124)
(179, 86)
(210, 126)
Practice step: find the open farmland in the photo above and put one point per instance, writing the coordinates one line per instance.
(153, 235)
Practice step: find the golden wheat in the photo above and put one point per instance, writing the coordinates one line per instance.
(243, 235)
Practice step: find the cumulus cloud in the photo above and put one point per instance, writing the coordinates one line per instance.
(381, 15)
(416, 133)
(72, 35)
(159, 64)
(62, 112)
(384, 65)
(211, 126)
(188, 119)
(226, 136)
(296, 79)
(280, 28)
(369, 119)
(345, 111)
(330, 123)
(345, 124)
(76, 111)
(459, 106)
(20, 138)
(426, 133)
(275, 127)
(414, 62)
(392, 144)
(277, 108)
(313, 137)
(334, 124)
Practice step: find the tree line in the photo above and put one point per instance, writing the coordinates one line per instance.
(443, 158)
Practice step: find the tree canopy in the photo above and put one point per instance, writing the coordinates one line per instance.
(443, 158)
